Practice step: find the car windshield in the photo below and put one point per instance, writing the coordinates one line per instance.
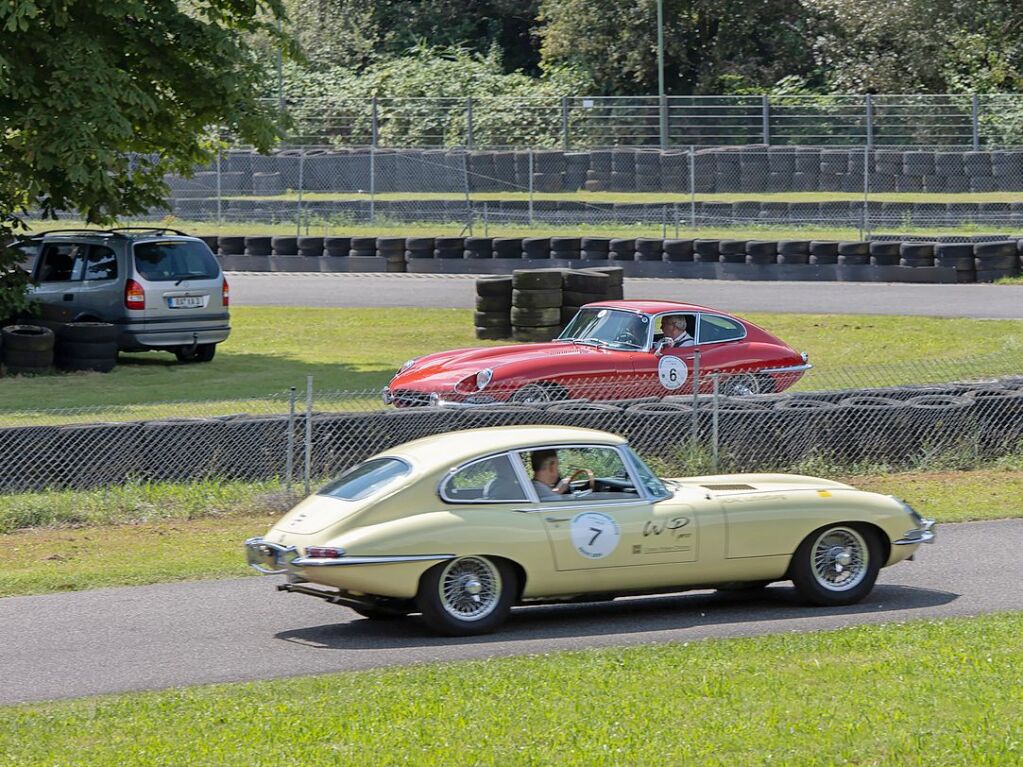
(653, 485)
(366, 478)
(175, 260)
(607, 327)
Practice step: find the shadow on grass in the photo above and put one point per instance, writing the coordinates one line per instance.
(701, 614)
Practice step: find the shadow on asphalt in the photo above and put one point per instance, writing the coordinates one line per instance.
(624, 616)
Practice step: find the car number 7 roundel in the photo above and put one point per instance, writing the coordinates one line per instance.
(594, 535)
(672, 372)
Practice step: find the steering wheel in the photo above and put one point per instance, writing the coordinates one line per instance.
(626, 336)
(591, 479)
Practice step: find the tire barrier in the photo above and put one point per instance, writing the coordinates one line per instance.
(909, 260)
(86, 346)
(889, 428)
(492, 318)
(26, 349)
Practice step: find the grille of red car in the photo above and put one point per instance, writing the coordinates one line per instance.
(410, 398)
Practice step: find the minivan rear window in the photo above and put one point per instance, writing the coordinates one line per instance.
(175, 260)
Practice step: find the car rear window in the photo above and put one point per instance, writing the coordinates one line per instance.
(175, 260)
(366, 478)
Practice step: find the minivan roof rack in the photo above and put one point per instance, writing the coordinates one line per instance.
(78, 230)
(119, 229)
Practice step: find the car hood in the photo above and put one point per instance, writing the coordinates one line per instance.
(455, 365)
(737, 484)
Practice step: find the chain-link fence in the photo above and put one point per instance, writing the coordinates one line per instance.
(574, 122)
(953, 415)
(850, 191)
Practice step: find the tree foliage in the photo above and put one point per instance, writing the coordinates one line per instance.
(100, 98)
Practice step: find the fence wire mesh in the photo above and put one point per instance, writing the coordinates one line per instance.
(926, 414)
(850, 192)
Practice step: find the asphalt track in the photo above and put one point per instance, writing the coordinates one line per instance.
(428, 290)
(169, 635)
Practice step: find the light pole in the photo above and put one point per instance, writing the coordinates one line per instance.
(662, 103)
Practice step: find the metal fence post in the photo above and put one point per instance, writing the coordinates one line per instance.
(530, 188)
(714, 437)
(564, 123)
(975, 120)
(663, 114)
(289, 460)
(486, 221)
(308, 431)
(865, 217)
(468, 122)
(870, 120)
(374, 122)
(765, 116)
(301, 183)
(692, 186)
(372, 184)
(675, 206)
(664, 222)
(696, 399)
(220, 210)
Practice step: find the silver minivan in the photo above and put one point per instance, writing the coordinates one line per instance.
(163, 289)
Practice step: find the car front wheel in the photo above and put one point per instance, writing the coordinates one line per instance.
(837, 565)
(466, 596)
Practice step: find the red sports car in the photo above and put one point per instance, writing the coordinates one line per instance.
(610, 350)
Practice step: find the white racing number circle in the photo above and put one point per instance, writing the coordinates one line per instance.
(672, 371)
(594, 535)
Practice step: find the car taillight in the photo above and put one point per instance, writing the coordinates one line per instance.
(134, 295)
(226, 293)
(324, 552)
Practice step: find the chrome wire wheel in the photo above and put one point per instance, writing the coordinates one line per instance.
(532, 394)
(741, 385)
(469, 588)
(840, 559)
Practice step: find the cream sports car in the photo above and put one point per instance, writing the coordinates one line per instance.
(456, 527)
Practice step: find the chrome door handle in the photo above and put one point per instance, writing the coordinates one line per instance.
(557, 519)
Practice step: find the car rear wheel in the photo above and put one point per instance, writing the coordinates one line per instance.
(466, 596)
(201, 353)
(837, 565)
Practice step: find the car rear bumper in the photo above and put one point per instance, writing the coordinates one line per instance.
(145, 335)
(272, 558)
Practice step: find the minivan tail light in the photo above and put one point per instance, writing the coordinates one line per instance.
(226, 293)
(134, 295)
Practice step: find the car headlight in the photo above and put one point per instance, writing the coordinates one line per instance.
(407, 364)
(915, 515)
(483, 378)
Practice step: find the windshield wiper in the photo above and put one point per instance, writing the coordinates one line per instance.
(593, 340)
(191, 275)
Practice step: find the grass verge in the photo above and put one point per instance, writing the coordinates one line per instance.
(924, 693)
(64, 541)
(272, 348)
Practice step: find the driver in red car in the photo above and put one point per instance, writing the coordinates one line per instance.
(675, 331)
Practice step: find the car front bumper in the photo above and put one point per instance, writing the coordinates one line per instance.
(922, 534)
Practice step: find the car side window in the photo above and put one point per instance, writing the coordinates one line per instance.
(61, 262)
(101, 263)
(714, 327)
(491, 480)
(597, 473)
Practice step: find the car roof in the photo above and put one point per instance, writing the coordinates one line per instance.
(454, 448)
(131, 233)
(653, 307)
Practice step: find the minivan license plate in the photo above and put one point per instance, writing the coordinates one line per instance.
(185, 302)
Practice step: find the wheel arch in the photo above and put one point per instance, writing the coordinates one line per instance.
(857, 524)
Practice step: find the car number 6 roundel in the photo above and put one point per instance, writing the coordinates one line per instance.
(672, 371)
(594, 535)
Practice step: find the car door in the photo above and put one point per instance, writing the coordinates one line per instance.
(667, 371)
(99, 294)
(58, 272)
(619, 525)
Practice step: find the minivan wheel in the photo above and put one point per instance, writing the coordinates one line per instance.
(201, 353)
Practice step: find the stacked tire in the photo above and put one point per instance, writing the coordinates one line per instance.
(536, 304)
(418, 248)
(392, 249)
(90, 346)
(27, 349)
(958, 256)
(493, 308)
(580, 287)
(337, 247)
(995, 260)
(615, 290)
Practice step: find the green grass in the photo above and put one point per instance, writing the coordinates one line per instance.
(61, 541)
(940, 693)
(272, 348)
(670, 198)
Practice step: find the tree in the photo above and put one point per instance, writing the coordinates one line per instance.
(711, 46)
(100, 98)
